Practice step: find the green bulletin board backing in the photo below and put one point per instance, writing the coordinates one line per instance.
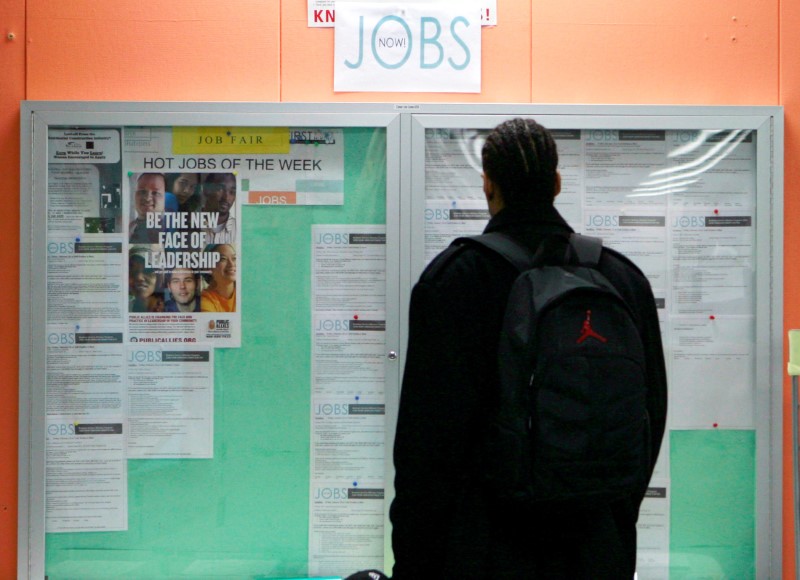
(713, 532)
(244, 513)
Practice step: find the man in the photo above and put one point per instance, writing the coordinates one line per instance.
(445, 521)
(148, 198)
(220, 194)
(182, 286)
(141, 281)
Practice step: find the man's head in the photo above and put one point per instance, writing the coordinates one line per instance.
(141, 280)
(220, 193)
(150, 194)
(182, 285)
(520, 160)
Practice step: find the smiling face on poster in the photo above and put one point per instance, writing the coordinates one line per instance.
(416, 47)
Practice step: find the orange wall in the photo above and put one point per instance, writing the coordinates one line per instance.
(714, 52)
(12, 89)
(790, 99)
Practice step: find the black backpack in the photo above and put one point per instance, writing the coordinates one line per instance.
(572, 424)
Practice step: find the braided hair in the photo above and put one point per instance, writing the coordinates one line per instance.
(520, 157)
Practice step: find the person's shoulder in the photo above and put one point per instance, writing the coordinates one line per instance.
(441, 262)
(209, 301)
(622, 261)
(623, 273)
(207, 296)
(459, 259)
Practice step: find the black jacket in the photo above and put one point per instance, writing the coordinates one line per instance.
(444, 525)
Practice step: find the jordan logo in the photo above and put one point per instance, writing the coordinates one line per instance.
(587, 331)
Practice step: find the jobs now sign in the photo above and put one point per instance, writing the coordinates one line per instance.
(416, 47)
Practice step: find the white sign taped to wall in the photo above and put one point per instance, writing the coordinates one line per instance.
(416, 47)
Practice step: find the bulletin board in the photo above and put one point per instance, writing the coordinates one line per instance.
(253, 441)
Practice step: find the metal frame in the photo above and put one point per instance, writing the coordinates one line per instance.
(36, 118)
(768, 124)
(405, 124)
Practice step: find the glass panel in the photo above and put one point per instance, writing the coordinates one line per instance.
(216, 307)
(681, 204)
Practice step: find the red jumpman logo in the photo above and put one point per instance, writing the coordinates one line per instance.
(587, 331)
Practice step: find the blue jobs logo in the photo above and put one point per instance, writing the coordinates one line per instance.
(332, 239)
(54, 429)
(392, 42)
(331, 324)
(144, 356)
(439, 215)
(331, 409)
(431, 46)
(330, 493)
(599, 135)
(689, 221)
(602, 221)
(61, 248)
(61, 338)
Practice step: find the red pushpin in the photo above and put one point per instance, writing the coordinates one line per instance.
(716, 211)
(355, 316)
(712, 317)
(716, 425)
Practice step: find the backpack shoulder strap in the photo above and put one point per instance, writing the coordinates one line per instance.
(587, 249)
(514, 252)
